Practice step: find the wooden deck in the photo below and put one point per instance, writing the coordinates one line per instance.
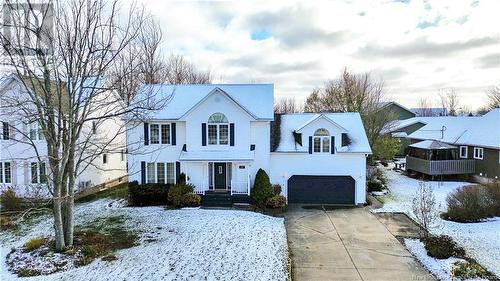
(440, 167)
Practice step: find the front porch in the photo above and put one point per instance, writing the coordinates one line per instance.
(435, 158)
(231, 177)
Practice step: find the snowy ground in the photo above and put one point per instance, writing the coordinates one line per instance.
(187, 244)
(480, 240)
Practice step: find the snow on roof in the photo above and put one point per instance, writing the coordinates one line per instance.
(350, 121)
(480, 131)
(317, 116)
(226, 155)
(256, 99)
(432, 144)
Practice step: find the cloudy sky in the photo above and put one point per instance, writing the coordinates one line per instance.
(417, 47)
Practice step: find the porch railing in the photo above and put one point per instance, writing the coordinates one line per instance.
(240, 187)
(199, 187)
(440, 167)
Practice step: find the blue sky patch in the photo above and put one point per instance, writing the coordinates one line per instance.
(261, 34)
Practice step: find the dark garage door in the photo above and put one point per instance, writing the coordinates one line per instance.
(321, 190)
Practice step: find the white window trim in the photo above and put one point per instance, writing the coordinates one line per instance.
(217, 134)
(155, 172)
(478, 155)
(466, 151)
(159, 133)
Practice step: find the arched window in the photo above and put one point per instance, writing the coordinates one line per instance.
(218, 129)
(321, 141)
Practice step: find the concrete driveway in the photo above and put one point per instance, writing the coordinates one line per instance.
(346, 244)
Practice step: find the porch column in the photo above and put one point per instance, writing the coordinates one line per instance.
(248, 180)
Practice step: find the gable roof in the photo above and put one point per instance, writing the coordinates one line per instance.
(317, 117)
(350, 121)
(479, 131)
(432, 144)
(256, 99)
(383, 105)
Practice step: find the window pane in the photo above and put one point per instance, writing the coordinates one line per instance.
(217, 118)
(321, 132)
(5, 132)
(8, 176)
(43, 173)
(41, 136)
(212, 134)
(1, 172)
(160, 172)
(104, 158)
(151, 172)
(223, 134)
(165, 134)
(33, 132)
(155, 134)
(326, 144)
(317, 145)
(34, 173)
(170, 173)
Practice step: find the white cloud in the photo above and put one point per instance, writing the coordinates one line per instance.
(417, 47)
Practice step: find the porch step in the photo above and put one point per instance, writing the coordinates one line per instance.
(216, 199)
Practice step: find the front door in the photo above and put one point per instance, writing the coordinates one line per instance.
(220, 175)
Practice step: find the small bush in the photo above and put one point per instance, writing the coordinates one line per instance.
(5, 222)
(191, 200)
(472, 203)
(151, 194)
(177, 192)
(27, 272)
(375, 186)
(277, 189)
(469, 270)
(33, 244)
(9, 201)
(442, 247)
(262, 189)
(277, 201)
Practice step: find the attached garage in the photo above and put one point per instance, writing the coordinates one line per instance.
(321, 190)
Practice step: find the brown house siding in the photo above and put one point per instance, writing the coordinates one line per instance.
(489, 166)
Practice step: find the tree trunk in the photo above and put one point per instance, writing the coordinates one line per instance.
(69, 211)
(58, 223)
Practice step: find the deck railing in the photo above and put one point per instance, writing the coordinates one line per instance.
(240, 187)
(199, 187)
(440, 167)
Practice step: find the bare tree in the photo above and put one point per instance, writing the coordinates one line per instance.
(285, 105)
(493, 97)
(66, 92)
(353, 93)
(180, 71)
(425, 207)
(449, 101)
(424, 108)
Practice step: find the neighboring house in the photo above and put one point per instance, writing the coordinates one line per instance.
(20, 167)
(398, 111)
(430, 111)
(219, 137)
(457, 145)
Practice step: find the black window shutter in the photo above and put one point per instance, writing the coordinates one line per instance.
(310, 144)
(203, 134)
(231, 134)
(174, 133)
(177, 171)
(143, 172)
(332, 143)
(146, 133)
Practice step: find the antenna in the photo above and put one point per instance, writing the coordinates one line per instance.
(442, 131)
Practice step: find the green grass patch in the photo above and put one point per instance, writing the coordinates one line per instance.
(119, 191)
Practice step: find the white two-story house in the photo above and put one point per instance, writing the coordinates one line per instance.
(23, 149)
(219, 136)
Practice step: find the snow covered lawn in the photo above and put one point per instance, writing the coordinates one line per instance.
(187, 244)
(480, 240)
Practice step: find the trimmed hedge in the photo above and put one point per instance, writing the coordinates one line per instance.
(262, 189)
(151, 194)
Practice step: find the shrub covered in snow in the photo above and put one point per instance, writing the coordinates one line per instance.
(262, 189)
(469, 270)
(151, 194)
(442, 247)
(9, 201)
(473, 203)
(276, 202)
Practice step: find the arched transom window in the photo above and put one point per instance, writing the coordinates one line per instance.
(321, 141)
(218, 129)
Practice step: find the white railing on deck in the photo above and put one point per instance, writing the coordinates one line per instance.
(199, 187)
(239, 187)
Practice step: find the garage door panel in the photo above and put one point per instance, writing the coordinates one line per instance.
(321, 189)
